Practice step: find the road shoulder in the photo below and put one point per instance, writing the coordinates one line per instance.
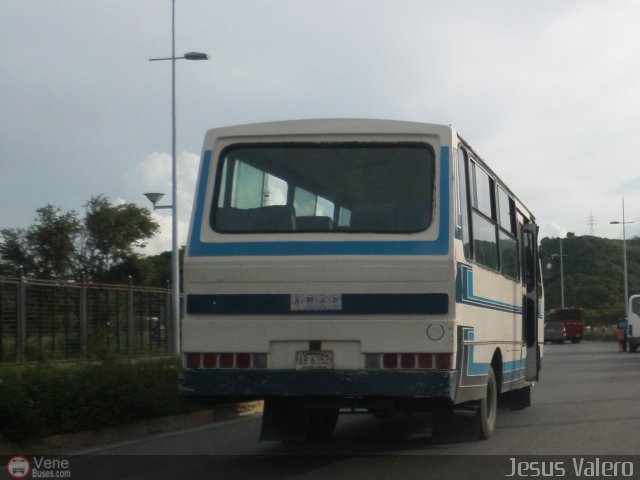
(69, 442)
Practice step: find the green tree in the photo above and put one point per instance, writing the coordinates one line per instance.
(158, 269)
(112, 232)
(15, 252)
(101, 245)
(54, 239)
(46, 249)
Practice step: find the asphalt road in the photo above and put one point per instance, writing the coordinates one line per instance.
(586, 404)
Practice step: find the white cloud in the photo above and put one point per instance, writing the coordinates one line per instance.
(552, 230)
(155, 176)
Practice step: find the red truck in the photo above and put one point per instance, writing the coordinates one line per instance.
(573, 319)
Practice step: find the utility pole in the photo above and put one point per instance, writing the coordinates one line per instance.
(591, 221)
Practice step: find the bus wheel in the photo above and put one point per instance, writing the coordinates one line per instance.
(486, 415)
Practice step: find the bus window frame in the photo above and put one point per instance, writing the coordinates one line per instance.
(463, 201)
(481, 214)
(291, 187)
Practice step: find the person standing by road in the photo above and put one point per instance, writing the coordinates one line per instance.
(621, 333)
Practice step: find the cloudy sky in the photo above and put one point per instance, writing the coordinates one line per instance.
(547, 92)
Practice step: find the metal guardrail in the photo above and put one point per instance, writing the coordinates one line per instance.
(42, 320)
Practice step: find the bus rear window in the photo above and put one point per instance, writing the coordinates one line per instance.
(328, 187)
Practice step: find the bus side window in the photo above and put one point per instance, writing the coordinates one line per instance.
(485, 229)
(462, 210)
(509, 259)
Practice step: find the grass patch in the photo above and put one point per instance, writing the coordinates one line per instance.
(43, 400)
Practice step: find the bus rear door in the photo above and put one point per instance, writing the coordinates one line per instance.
(530, 300)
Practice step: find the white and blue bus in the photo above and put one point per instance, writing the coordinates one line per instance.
(343, 265)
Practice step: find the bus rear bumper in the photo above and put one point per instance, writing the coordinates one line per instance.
(322, 383)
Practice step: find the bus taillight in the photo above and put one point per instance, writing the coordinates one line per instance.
(243, 360)
(408, 361)
(425, 360)
(443, 361)
(390, 360)
(193, 360)
(209, 360)
(226, 360)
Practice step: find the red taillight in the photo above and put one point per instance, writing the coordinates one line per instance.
(443, 361)
(226, 360)
(193, 360)
(209, 360)
(243, 360)
(425, 360)
(407, 360)
(390, 360)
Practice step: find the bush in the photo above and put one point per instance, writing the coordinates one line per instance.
(49, 399)
(608, 336)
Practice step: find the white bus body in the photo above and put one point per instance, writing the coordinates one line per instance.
(633, 323)
(357, 264)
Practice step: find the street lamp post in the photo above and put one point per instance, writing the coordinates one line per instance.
(550, 266)
(560, 255)
(175, 259)
(624, 257)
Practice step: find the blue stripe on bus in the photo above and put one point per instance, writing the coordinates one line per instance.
(511, 370)
(196, 245)
(465, 293)
(352, 304)
(439, 246)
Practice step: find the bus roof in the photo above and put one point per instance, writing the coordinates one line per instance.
(328, 126)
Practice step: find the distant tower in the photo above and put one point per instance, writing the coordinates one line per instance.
(591, 221)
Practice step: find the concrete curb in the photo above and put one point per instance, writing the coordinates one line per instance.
(69, 442)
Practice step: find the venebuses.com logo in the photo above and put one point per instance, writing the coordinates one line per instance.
(38, 467)
(18, 467)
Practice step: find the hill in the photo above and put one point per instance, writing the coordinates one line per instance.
(593, 274)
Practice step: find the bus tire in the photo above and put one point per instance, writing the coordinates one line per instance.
(486, 415)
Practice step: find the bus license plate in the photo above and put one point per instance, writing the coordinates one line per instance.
(318, 360)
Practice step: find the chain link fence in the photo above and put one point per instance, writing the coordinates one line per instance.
(42, 320)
